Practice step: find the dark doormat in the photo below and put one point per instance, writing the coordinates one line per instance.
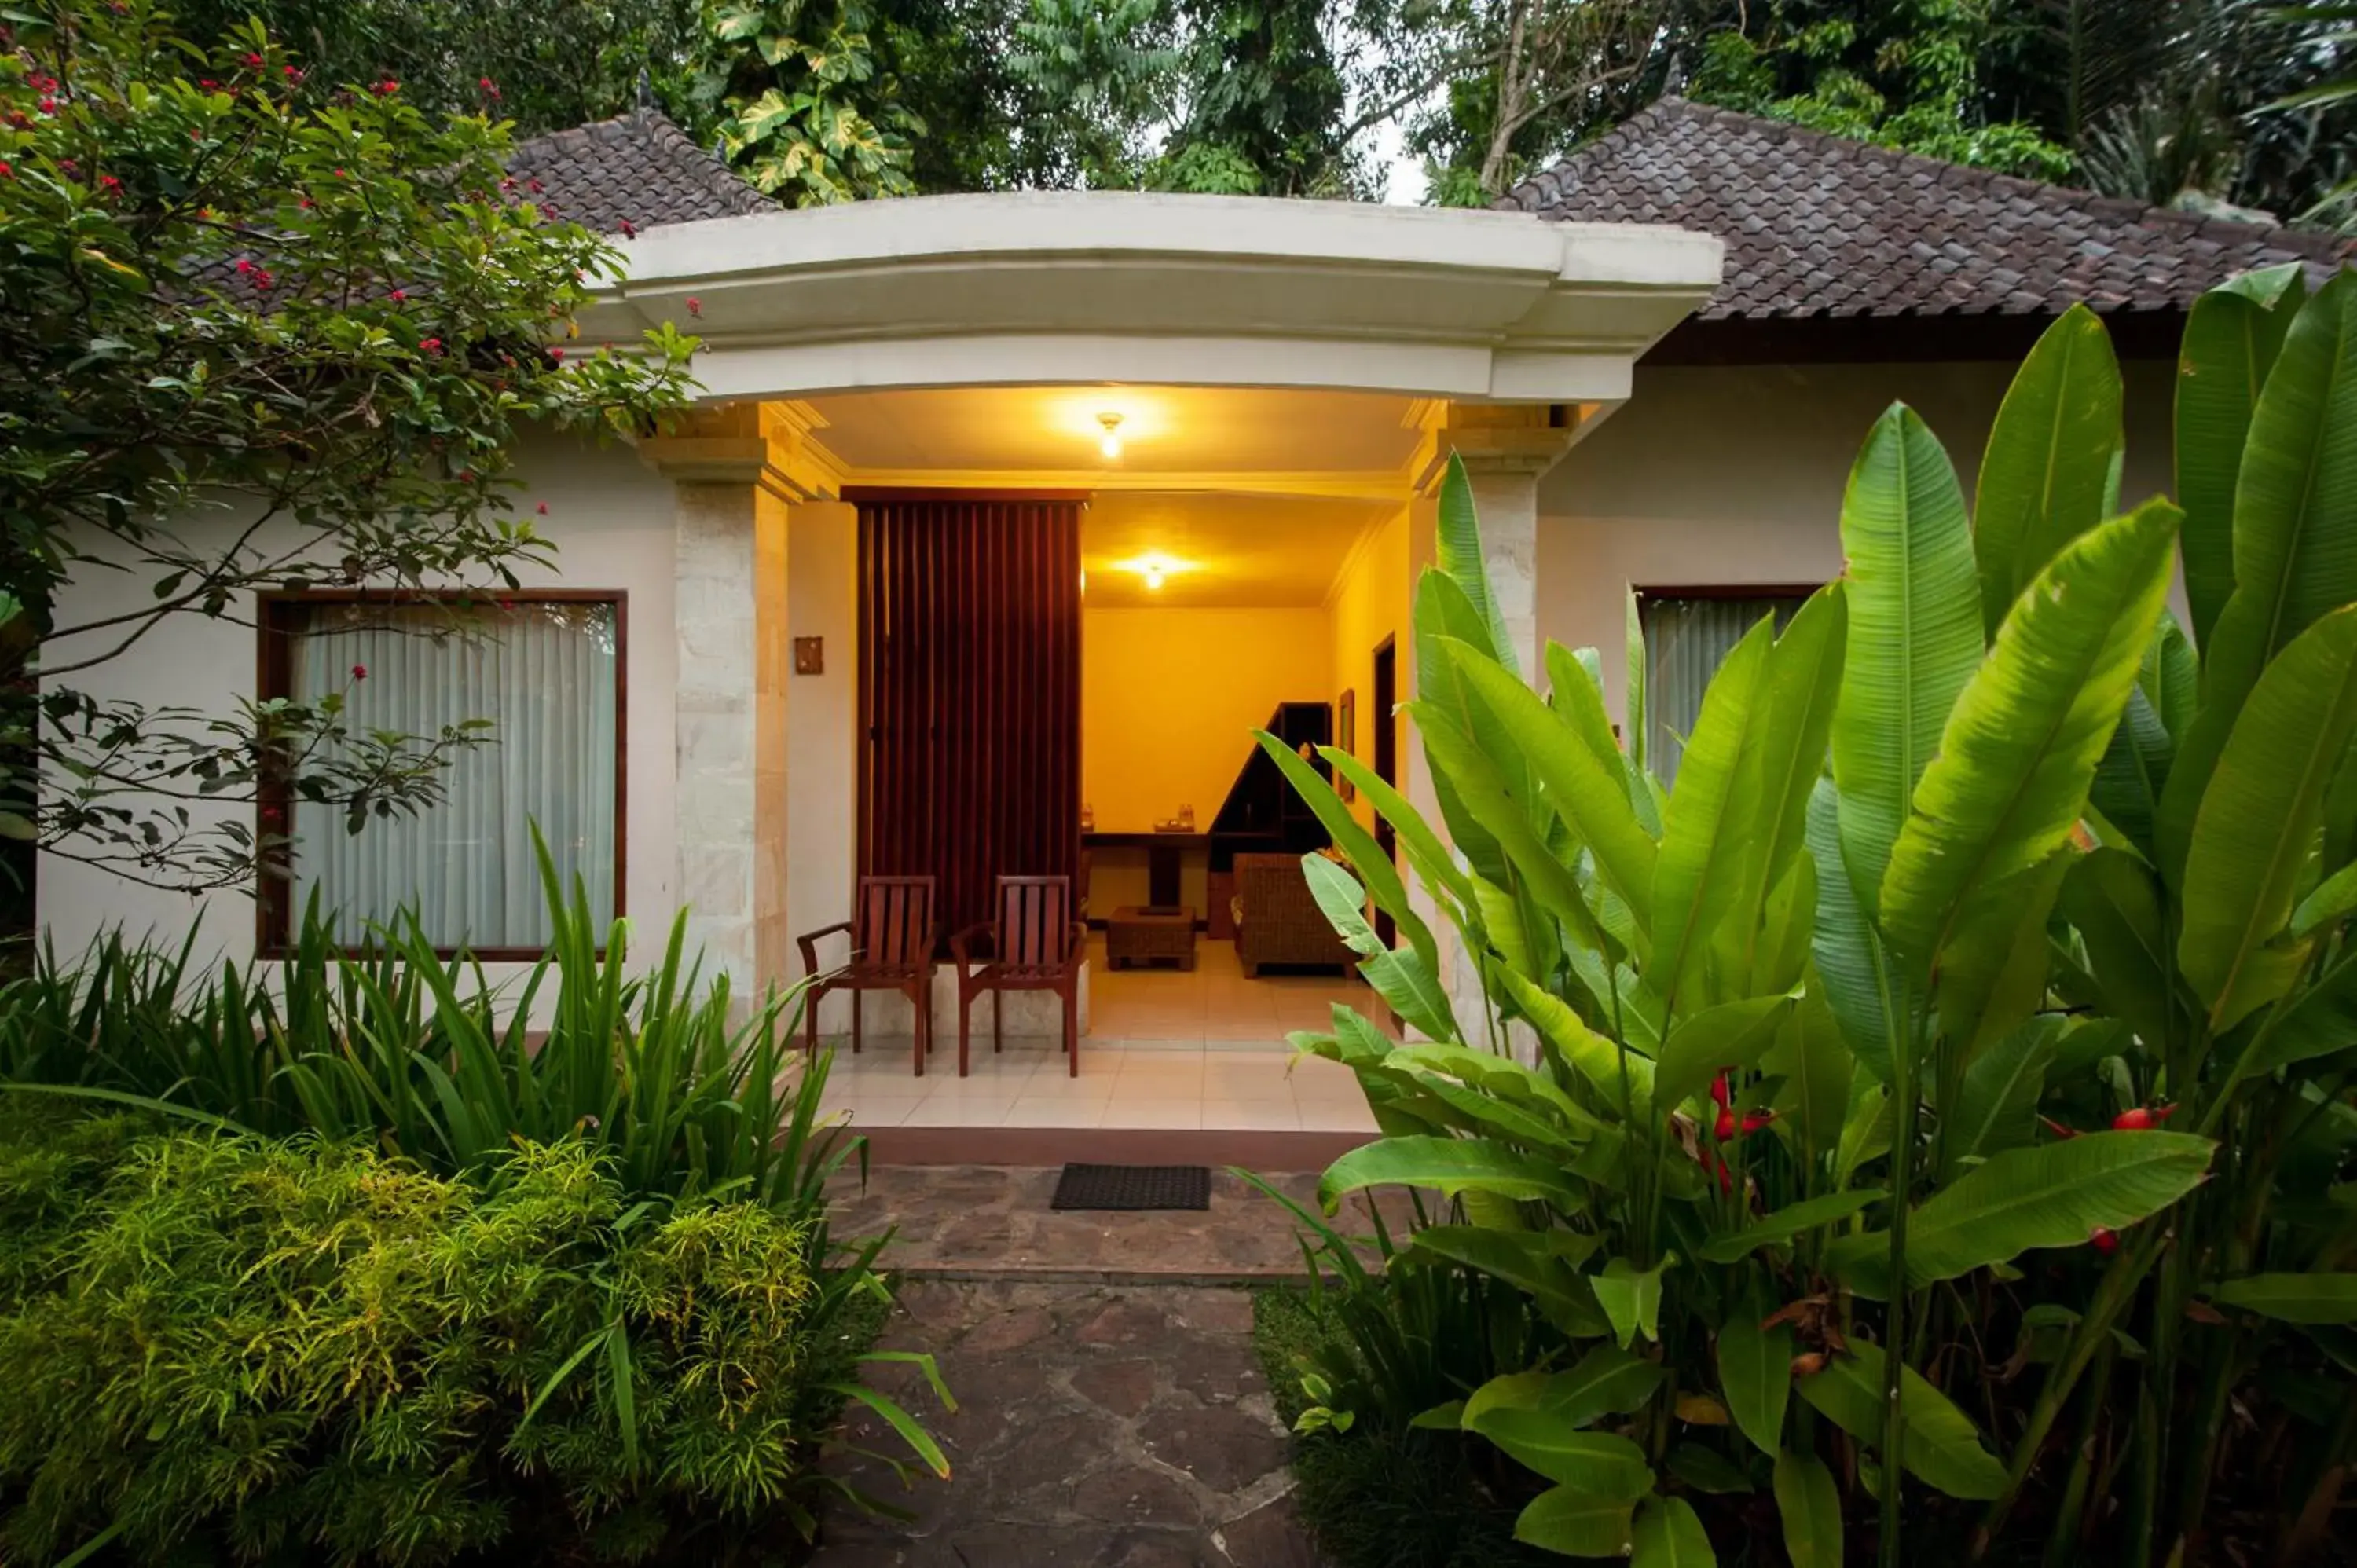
(1134, 1187)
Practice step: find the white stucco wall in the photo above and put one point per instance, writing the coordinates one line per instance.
(611, 519)
(1729, 475)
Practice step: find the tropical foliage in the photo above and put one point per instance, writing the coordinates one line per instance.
(801, 104)
(659, 1086)
(315, 1351)
(1960, 1045)
(253, 334)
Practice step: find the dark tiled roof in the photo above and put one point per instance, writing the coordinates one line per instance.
(639, 168)
(1818, 225)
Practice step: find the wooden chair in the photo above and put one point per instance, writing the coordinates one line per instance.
(1035, 945)
(892, 935)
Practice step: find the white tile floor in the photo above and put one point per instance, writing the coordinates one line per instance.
(1167, 1049)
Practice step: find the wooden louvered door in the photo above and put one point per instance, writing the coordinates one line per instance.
(969, 690)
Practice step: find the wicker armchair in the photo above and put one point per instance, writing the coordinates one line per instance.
(1278, 920)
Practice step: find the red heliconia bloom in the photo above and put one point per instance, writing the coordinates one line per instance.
(1719, 1094)
(2142, 1118)
(1755, 1120)
(1724, 1129)
(543, 509)
(359, 671)
(431, 345)
(2058, 1129)
(695, 305)
(2102, 1240)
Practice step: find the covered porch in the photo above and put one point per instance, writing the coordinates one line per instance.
(1212, 432)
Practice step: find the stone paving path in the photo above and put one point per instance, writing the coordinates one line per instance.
(1098, 1426)
(1110, 1412)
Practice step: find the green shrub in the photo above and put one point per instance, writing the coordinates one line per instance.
(666, 1071)
(1376, 1496)
(230, 1347)
(1818, 1098)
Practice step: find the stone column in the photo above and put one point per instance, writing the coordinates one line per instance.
(729, 567)
(1506, 449)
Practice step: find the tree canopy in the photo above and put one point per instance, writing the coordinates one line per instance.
(256, 332)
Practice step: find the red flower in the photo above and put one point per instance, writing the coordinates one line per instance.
(1755, 1120)
(629, 229)
(695, 305)
(534, 186)
(2142, 1119)
(543, 509)
(2057, 1128)
(304, 203)
(7, 169)
(2102, 1240)
(491, 89)
(359, 671)
(207, 82)
(290, 73)
(244, 266)
(253, 61)
(431, 345)
(397, 295)
(1723, 1131)
(49, 105)
(340, 173)
(557, 355)
(386, 88)
(1719, 1091)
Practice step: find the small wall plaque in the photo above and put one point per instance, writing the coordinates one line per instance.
(809, 656)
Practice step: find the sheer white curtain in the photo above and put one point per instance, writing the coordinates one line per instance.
(1685, 638)
(543, 673)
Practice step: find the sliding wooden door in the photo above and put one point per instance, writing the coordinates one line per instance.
(969, 690)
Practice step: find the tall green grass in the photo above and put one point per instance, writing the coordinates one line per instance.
(427, 1056)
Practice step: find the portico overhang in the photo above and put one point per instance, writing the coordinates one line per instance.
(1066, 288)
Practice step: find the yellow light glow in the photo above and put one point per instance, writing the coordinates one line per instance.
(1155, 570)
(1111, 443)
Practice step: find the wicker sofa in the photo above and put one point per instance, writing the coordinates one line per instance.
(1278, 920)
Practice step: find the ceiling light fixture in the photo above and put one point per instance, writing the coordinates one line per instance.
(1110, 445)
(1154, 576)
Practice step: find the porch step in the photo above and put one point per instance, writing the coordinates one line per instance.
(992, 1222)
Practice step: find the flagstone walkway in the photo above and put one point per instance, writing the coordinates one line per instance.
(1110, 1412)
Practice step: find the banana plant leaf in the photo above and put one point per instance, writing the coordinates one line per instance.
(2046, 471)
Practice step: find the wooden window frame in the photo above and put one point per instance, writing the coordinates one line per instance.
(275, 619)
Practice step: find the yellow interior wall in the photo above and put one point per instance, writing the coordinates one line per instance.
(1370, 602)
(1169, 699)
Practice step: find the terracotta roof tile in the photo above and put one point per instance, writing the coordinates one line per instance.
(1815, 224)
(639, 168)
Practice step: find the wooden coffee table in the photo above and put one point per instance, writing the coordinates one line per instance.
(1142, 933)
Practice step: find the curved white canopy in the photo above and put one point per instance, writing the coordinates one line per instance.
(1060, 287)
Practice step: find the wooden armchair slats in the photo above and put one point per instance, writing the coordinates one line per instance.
(1034, 943)
(892, 932)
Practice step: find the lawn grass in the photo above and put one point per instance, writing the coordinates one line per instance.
(1375, 1498)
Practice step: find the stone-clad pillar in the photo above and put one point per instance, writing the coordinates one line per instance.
(1506, 450)
(729, 566)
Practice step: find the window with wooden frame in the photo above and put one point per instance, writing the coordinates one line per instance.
(1689, 631)
(546, 669)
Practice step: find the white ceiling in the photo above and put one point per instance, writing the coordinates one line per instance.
(1219, 551)
(1164, 430)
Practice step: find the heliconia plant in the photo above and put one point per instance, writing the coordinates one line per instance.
(1980, 982)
